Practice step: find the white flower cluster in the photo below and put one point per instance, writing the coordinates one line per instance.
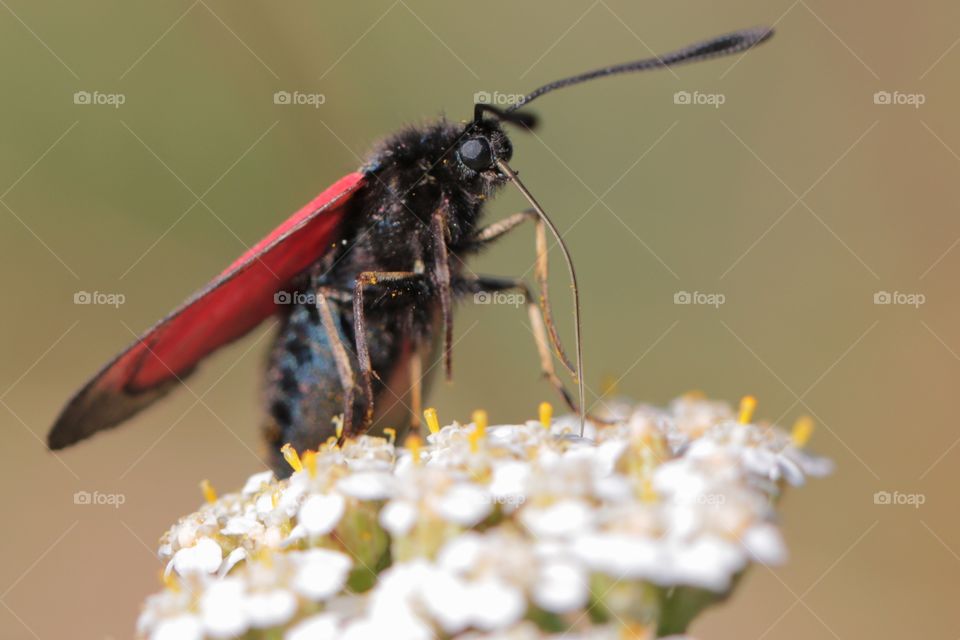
(513, 531)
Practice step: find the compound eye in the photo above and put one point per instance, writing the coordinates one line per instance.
(476, 154)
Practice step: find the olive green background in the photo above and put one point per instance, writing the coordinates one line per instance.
(798, 199)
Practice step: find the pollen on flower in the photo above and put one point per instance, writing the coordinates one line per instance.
(169, 580)
(310, 462)
(474, 438)
(480, 420)
(801, 432)
(209, 493)
(414, 444)
(546, 414)
(292, 457)
(433, 421)
(490, 531)
(748, 405)
(391, 434)
(479, 430)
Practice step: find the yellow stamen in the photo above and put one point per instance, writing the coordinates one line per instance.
(338, 426)
(474, 438)
(479, 430)
(209, 494)
(310, 462)
(480, 421)
(413, 444)
(546, 414)
(802, 430)
(433, 422)
(747, 405)
(391, 434)
(292, 457)
(170, 581)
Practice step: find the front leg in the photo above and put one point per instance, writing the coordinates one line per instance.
(495, 230)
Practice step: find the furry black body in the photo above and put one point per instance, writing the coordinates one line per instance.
(413, 178)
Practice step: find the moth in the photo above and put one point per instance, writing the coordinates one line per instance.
(364, 279)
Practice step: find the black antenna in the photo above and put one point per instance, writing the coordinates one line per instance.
(714, 48)
(525, 120)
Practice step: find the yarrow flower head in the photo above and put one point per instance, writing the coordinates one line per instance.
(513, 531)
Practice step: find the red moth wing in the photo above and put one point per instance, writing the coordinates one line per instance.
(231, 305)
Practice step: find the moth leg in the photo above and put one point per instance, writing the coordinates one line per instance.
(542, 277)
(500, 228)
(441, 275)
(367, 278)
(492, 284)
(342, 360)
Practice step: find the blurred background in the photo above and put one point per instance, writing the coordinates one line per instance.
(810, 187)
